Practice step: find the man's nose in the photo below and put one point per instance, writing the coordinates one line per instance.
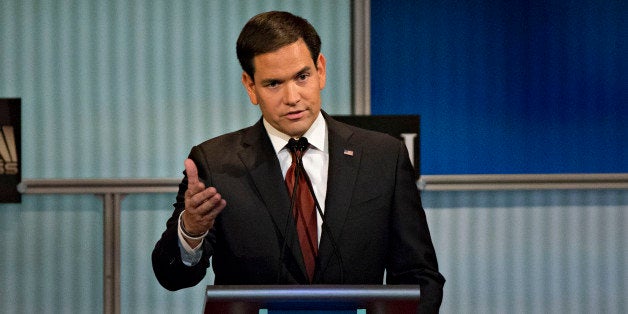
(292, 96)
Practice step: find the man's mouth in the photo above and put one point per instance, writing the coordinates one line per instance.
(295, 115)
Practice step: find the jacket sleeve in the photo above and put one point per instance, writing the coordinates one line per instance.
(168, 267)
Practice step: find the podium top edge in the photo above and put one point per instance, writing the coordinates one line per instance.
(312, 292)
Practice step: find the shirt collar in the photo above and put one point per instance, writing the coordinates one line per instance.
(316, 134)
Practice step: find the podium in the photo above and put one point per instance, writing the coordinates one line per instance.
(376, 299)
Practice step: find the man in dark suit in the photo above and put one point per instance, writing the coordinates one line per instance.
(233, 204)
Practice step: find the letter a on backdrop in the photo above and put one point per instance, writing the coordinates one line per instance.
(10, 150)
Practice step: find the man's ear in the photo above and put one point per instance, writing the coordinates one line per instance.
(322, 71)
(249, 85)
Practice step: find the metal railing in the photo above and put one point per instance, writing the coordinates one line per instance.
(111, 191)
(524, 182)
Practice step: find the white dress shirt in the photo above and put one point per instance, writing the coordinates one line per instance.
(315, 159)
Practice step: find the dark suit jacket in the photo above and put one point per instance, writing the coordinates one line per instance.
(373, 216)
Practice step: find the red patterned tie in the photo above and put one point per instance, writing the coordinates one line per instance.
(304, 210)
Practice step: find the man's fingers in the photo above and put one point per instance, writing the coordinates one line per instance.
(202, 211)
(210, 216)
(206, 199)
(217, 205)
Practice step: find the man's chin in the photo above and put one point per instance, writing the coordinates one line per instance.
(297, 129)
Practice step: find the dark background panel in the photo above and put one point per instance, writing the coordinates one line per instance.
(506, 87)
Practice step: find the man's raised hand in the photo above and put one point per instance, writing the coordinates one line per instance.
(202, 205)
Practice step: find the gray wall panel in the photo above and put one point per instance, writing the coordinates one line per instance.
(549, 251)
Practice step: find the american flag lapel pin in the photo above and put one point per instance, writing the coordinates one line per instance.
(348, 152)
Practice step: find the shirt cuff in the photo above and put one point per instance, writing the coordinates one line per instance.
(189, 256)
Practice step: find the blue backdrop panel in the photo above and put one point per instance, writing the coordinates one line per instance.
(506, 86)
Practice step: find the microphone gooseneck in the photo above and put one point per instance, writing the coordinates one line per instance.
(293, 146)
(298, 147)
(326, 229)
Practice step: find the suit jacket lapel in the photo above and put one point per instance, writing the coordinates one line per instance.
(344, 159)
(259, 157)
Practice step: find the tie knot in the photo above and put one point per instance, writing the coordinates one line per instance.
(300, 145)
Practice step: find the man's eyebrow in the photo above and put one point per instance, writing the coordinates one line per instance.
(270, 80)
(267, 81)
(304, 70)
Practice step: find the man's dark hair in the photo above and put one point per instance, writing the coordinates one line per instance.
(269, 31)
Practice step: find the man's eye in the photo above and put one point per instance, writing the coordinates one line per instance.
(272, 84)
(303, 76)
